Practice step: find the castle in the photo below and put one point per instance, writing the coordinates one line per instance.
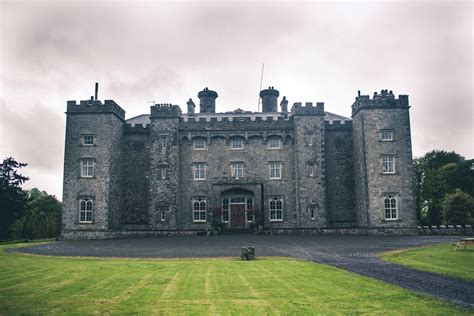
(301, 170)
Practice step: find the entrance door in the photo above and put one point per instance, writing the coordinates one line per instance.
(237, 213)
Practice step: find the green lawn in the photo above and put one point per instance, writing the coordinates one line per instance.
(58, 285)
(438, 258)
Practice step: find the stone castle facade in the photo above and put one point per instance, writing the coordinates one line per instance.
(301, 170)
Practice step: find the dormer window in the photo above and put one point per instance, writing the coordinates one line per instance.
(199, 143)
(274, 143)
(88, 140)
(386, 135)
(236, 143)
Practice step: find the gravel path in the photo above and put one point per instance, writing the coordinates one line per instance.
(352, 253)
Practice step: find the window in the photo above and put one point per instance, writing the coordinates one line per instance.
(163, 142)
(163, 171)
(199, 209)
(199, 143)
(276, 209)
(390, 206)
(225, 210)
(236, 143)
(87, 168)
(388, 164)
(274, 142)
(237, 170)
(88, 140)
(199, 171)
(386, 135)
(311, 170)
(85, 211)
(249, 209)
(312, 211)
(163, 213)
(275, 170)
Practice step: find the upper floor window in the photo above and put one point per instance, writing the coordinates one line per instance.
(388, 164)
(164, 142)
(311, 170)
(386, 135)
(390, 207)
(87, 140)
(274, 142)
(237, 143)
(276, 208)
(199, 209)
(237, 170)
(275, 170)
(200, 171)
(199, 143)
(163, 172)
(87, 168)
(85, 211)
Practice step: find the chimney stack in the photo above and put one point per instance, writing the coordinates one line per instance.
(284, 105)
(96, 90)
(269, 100)
(191, 107)
(207, 101)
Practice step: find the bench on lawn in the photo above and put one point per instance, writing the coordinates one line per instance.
(463, 243)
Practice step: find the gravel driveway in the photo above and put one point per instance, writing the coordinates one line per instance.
(352, 253)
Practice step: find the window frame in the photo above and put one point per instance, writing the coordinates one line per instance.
(198, 139)
(311, 168)
(200, 211)
(83, 139)
(383, 131)
(90, 168)
(392, 208)
(275, 170)
(272, 139)
(233, 169)
(277, 212)
(225, 210)
(313, 209)
(88, 210)
(198, 171)
(388, 161)
(233, 141)
(249, 210)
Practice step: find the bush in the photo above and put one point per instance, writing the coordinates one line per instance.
(458, 208)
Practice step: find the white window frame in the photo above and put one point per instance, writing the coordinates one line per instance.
(87, 168)
(89, 136)
(384, 133)
(225, 210)
(249, 210)
(272, 140)
(237, 169)
(199, 171)
(199, 207)
(237, 141)
(275, 170)
(390, 206)
(275, 212)
(199, 139)
(86, 207)
(388, 164)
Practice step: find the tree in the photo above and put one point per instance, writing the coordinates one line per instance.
(12, 197)
(458, 207)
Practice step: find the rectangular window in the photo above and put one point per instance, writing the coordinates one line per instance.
(199, 143)
(88, 140)
(237, 170)
(236, 143)
(85, 211)
(276, 208)
(87, 168)
(163, 172)
(199, 171)
(274, 143)
(225, 210)
(164, 142)
(390, 207)
(249, 209)
(163, 213)
(312, 211)
(199, 209)
(388, 164)
(275, 170)
(386, 135)
(311, 170)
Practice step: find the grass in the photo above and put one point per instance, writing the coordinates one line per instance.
(440, 259)
(32, 284)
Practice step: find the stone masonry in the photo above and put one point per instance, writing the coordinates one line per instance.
(299, 171)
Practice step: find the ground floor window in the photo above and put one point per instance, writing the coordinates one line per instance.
(199, 209)
(85, 211)
(276, 208)
(390, 207)
(225, 210)
(249, 209)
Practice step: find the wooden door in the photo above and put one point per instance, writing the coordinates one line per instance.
(237, 213)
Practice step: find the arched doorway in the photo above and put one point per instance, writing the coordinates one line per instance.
(237, 208)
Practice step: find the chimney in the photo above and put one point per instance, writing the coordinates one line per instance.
(284, 105)
(96, 90)
(269, 100)
(207, 101)
(191, 107)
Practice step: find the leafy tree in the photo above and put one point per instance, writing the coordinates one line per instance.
(12, 197)
(458, 207)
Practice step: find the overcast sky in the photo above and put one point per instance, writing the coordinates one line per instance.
(54, 51)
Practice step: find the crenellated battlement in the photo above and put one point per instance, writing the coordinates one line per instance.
(308, 108)
(338, 125)
(165, 110)
(95, 106)
(384, 99)
(136, 129)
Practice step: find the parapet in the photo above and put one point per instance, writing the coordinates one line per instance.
(137, 129)
(165, 111)
(308, 108)
(386, 99)
(95, 106)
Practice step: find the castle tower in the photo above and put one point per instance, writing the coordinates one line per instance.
(91, 167)
(164, 167)
(269, 99)
(310, 187)
(207, 101)
(383, 162)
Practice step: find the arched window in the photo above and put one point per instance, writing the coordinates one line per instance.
(199, 209)
(85, 211)
(390, 206)
(276, 208)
